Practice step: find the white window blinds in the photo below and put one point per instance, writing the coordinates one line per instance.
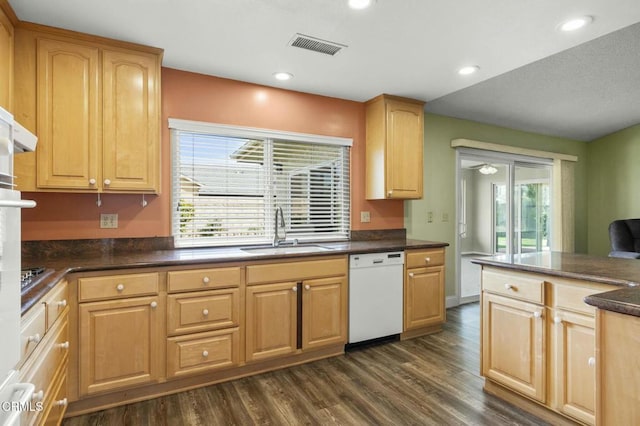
(226, 186)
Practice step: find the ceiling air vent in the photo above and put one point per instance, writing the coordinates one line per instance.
(316, 45)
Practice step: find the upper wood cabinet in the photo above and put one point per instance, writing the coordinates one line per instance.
(395, 138)
(6, 62)
(95, 108)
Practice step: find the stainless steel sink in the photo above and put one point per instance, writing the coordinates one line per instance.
(286, 249)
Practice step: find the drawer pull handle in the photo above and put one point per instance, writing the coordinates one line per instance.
(294, 288)
(509, 287)
(307, 287)
(62, 303)
(427, 259)
(64, 345)
(38, 396)
(120, 287)
(206, 280)
(205, 312)
(154, 304)
(591, 361)
(411, 275)
(557, 320)
(537, 314)
(61, 403)
(205, 354)
(35, 338)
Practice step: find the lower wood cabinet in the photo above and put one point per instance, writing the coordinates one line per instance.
(513, 354)
(538, 340)
(324, 312)
(424, 293)
(574, 365)
(202, 352)
(271, 323)
(120, 343)
(45, 331)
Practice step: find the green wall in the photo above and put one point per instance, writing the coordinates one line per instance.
(614, 174)
(440, 172)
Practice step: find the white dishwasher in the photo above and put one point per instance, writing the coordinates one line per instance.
(375, 295)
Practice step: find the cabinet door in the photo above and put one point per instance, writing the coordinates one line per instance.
(424, 298)
(324, 312)
(574, 371)
(119, 343)
(67, 120)
(6, 62)
(131, 122)
(513, 345)
(404, 149)
(271, 320)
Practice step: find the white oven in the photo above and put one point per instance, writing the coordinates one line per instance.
(13, 395)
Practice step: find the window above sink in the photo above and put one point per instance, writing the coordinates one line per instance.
(227, 182)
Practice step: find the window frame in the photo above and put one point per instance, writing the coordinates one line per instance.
(269, 136)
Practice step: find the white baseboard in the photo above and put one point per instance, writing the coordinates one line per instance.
(451, 302)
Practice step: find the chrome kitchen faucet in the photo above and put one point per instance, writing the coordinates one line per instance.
(276, 237)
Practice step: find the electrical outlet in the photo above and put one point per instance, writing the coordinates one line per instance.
(429, 217)
(109, 220)
(445, 217)
(365, 217)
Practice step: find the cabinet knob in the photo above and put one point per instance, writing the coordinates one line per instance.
(537, 314)
(206, 280)
(427, 259)
(120, 287)
(64, 345)
(154, 304)
(62, 303)
(205, 312)
(307, 287)
(389, 194)
(411, 274)
(61, 403)
(35, 338)
(92, 182)
(508, 287)
(294, 288)
(107, 182)
(205, 354)
(557, 320)
(38, 396)
(591, 361)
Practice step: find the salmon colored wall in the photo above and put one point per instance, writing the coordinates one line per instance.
(199, 97)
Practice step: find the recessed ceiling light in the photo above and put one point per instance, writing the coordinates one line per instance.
(468, 70)
(360, 4)
(576, 23)
(283, 76)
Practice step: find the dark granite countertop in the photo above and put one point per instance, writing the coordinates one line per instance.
(615, 271)
(63, 265)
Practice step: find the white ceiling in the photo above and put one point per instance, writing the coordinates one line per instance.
(528, 76)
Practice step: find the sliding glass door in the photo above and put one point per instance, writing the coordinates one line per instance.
(504, 207)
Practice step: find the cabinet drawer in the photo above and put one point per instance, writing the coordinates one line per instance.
(198, 353)
(110, 287)
(571, 297)
(56, 302)
(422, 258)
(58, 405)
(296, 271)
(32, 330)
(201, 279)
(46, 365)
(519, 285)
(204, 310)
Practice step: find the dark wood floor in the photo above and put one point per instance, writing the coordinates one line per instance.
(432, 380)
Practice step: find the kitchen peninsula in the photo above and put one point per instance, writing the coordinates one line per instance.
(557, 329)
